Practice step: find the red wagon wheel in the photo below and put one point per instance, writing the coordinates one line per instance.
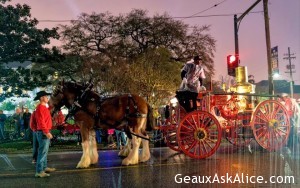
(171, 137)
(170, 132)
(240, 136)
(199, 134)
(270, 124)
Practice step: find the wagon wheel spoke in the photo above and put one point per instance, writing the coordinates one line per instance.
(190, 124)
(207, 123)
(184, 138)
(210, 140)
(262, 135)
(260, 129)
(205, 147)
(279, 131)
(192, 145)
(276, 111)
(186, 127)
(260, 123)
(275, 136)
(264, 118)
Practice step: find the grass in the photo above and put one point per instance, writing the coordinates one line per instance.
(16, 146)
(26, 147)
(21, 146)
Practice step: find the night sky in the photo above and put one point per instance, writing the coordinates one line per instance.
(284, 25)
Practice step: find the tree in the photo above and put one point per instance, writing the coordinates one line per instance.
(154, 76)
(89, 35)
(123, 49)
(141, 33)
(20, 41)
(57, 65)
(9, 106)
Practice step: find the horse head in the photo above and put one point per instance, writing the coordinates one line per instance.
(64, 94)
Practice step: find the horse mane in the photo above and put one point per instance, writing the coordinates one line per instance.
(79, 89)
(73, 86)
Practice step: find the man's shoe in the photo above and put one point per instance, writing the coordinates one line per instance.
(49, 169)
(41, 175)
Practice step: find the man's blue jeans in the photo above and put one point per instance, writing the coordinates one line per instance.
(44, 143)
(121, 138)
(98, 136)
(35, 146)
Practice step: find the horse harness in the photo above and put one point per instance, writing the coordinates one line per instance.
(80, 99)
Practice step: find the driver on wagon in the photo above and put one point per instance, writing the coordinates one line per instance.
(192, 75)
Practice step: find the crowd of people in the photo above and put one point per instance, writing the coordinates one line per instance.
(20, 125)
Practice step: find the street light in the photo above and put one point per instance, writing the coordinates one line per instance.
(276, 75)
(55, 75)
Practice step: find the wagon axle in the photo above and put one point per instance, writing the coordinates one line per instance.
(200, 134)
(273, 123)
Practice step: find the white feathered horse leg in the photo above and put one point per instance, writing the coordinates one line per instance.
(89, 151)
(126, 149)
(93, 148)
(85, 160)
(145, 155)
(133, 157)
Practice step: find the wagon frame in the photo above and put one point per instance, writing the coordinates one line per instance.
(198, 133)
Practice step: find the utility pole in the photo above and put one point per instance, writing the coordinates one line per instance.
(237, 21)
(268, 44)
(290, 67)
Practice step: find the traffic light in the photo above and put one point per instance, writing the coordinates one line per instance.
(232, 63)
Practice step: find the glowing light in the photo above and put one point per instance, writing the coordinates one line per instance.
(276, 75)
(174, 100)
(232, 58)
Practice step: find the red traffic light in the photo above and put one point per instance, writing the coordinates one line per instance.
(232, 63)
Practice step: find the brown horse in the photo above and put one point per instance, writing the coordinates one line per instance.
(130, 112)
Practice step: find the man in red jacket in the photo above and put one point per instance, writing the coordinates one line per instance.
(43, 126)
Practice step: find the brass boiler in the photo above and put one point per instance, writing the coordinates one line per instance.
(244, 103)
(242, 85)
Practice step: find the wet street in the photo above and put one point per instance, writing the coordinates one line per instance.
(229, 167)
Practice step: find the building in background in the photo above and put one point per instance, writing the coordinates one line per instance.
(280, 86)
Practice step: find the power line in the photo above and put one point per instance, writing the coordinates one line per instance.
(204, 10)
(176, 17)
(55, 20)
(217, 15)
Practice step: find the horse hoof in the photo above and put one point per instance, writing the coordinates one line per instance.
(122, 154)
(95, 161)
(144, 159)
(127, 162)
(81, 166)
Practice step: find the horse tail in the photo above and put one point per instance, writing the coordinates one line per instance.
(150, 119)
